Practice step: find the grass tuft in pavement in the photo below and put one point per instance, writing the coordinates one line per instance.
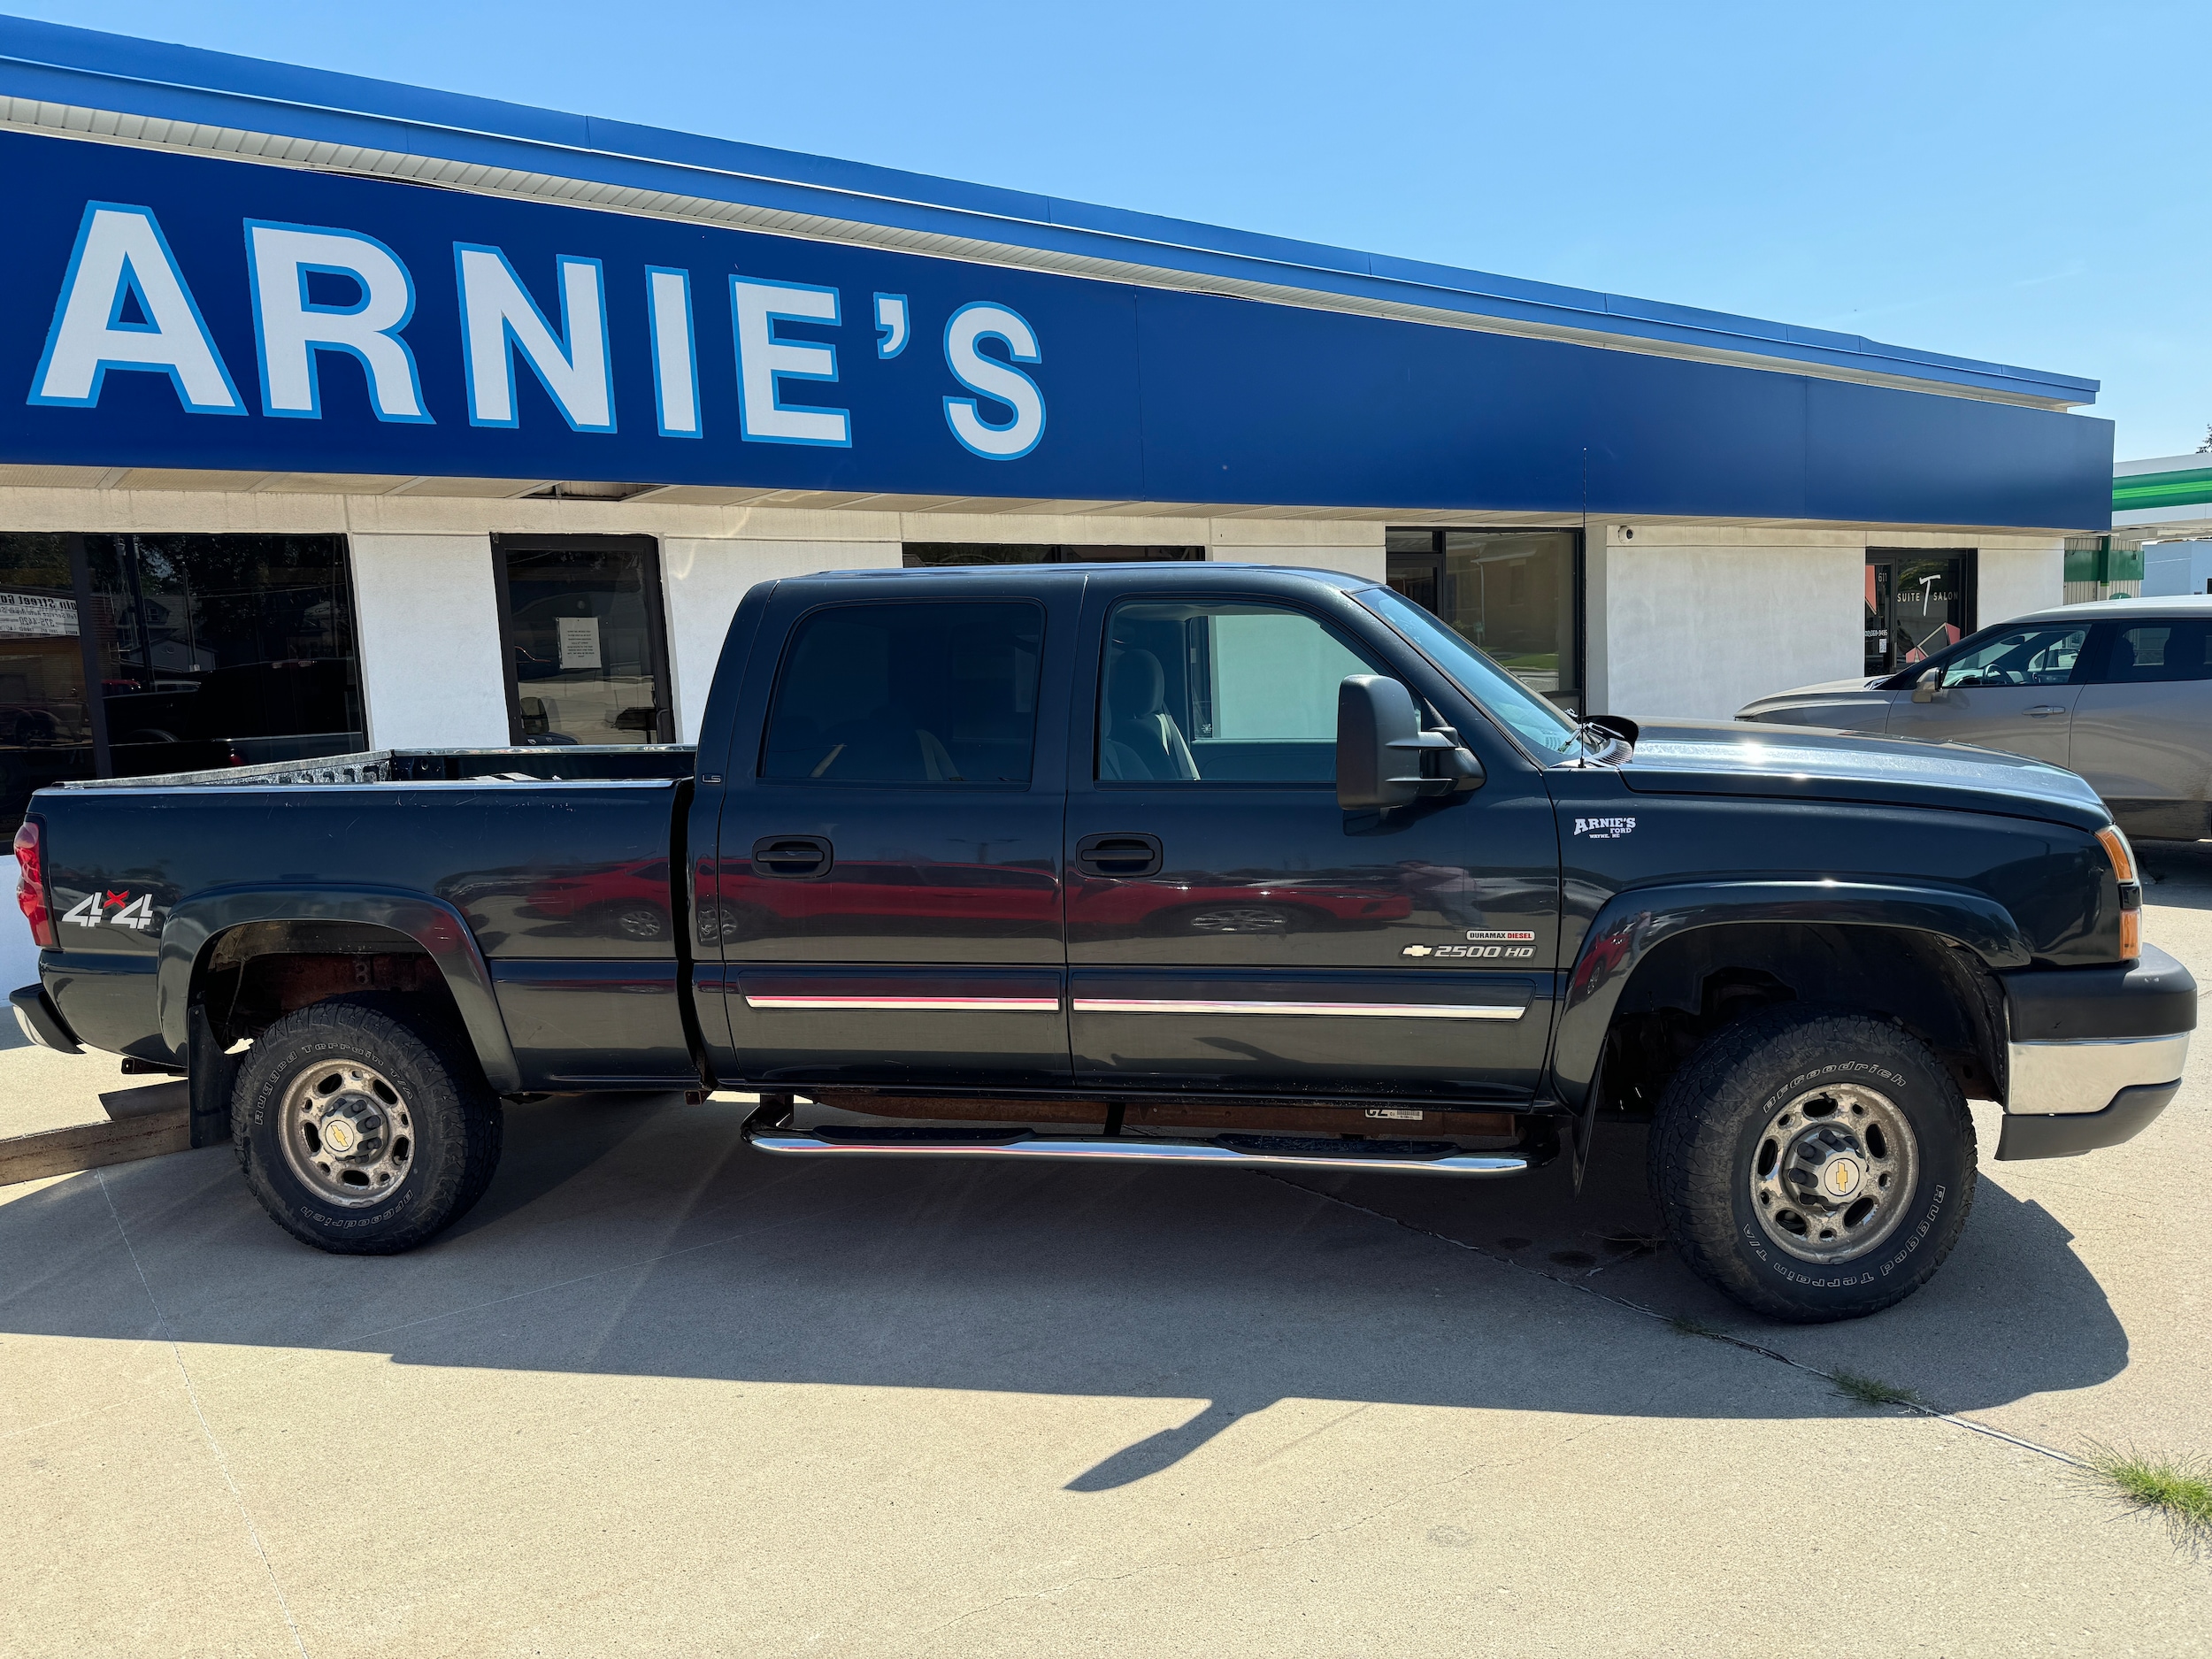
(1686, 1325)
(1872, 1391)
(2178, 1489)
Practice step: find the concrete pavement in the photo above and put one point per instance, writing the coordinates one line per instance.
(660, 1395)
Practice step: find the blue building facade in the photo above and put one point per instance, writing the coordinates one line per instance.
(478, 375)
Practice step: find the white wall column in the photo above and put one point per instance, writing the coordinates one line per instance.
(2012, 580)
(1695, 621)
(428, 614)
(1352, 545)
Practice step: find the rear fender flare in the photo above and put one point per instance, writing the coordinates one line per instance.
(1633, 924)
(189, 936)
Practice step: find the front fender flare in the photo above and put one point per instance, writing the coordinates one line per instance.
(1634, 923)
(434, 924)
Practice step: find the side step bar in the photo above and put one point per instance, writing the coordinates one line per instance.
(1281, 1152)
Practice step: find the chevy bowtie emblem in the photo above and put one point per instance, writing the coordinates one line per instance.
(1418, 950)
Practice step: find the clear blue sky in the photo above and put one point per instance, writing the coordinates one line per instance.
(2026, 181)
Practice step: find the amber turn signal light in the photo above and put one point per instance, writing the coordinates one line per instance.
(2123, 856)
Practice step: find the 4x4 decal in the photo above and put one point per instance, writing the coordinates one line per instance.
(91, 910)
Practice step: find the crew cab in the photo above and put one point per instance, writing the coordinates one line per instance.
(1210, 864)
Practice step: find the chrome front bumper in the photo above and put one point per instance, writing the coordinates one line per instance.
(2096, 1053)
(2084, 1075)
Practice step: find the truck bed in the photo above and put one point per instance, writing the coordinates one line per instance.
(555, 862)
(548, 763)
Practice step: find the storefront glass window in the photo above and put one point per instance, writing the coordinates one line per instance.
(587, 651)
(45, 718)
(223, 650)
(1514, 592)
(1917, 603)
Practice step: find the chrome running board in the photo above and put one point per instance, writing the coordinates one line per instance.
(1249, 1151)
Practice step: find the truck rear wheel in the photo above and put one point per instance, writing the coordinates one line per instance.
(1814, 1166)
(362, 1129)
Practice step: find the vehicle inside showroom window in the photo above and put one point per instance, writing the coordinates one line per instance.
(205, 651)
(1517, 595)
(587, 647)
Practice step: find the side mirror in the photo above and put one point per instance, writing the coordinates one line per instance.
(1383, 756)
(1929, 687)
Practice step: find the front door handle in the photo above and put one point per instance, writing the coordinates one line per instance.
(793, 857)
(1122, 856)
(2044, 709)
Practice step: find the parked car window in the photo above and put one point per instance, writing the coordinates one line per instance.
(2019, 656)
(1219, 694)
(2157, 650)
(924, 693)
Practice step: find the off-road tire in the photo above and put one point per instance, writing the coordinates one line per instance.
(456, 1122)
(1709, 1126)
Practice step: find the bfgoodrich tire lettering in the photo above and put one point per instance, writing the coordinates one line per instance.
(1732, 1113)
(431, 1091)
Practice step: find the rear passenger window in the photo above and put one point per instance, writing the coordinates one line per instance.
(2157, 650)
(924, 694)
(1195, 693)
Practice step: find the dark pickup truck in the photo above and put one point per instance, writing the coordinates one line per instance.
(1188, 865)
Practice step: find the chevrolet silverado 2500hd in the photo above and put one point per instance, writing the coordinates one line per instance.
(1177, 863)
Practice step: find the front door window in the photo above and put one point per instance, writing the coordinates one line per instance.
(2019, 656)
(1220, 694)
(1916, 604)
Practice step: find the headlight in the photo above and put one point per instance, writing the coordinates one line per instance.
(2123, 856)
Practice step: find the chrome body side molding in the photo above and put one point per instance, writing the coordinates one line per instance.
(1333, 1010)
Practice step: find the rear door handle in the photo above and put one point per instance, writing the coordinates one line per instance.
(1120, 856)
(2041, 710)
(793, 857)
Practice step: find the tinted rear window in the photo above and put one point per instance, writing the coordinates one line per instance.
(927, 694)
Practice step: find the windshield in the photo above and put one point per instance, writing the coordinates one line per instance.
(1543, 726)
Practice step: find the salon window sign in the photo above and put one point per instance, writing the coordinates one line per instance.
(198, 312)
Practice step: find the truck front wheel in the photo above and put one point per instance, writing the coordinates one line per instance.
(363, 1130)
(1814, 1166)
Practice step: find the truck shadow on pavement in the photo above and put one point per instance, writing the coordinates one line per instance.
(644, 1239)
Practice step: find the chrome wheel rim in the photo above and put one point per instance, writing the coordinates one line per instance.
(1832, 1172)
(347, 1134)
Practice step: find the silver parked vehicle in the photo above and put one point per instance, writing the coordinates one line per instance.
(2119, 691)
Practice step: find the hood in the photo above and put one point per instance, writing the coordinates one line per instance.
(1849, 705)
(1825, 689)
(1808, 763)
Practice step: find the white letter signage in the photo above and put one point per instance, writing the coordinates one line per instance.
(499, 319)
(291, 329)
(122, 265)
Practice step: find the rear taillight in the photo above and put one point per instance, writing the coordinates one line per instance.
(30, 885)
(2123, 856)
